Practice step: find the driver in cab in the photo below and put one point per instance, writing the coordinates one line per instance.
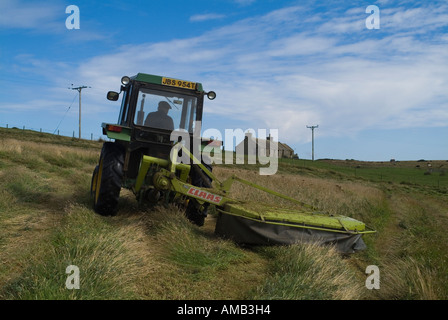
(160, 118)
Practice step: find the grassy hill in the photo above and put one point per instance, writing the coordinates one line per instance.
(47, 224)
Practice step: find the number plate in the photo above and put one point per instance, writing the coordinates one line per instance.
(179, 83)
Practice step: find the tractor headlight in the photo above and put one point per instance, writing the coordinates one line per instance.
(211, 95)
(125, 80)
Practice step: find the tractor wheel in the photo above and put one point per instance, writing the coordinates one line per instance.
(195, 212)
(107, 178)
(94, 181)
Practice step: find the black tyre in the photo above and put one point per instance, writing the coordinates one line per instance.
(195, 212)
(107, 178)
(94, 181)
(199, 178)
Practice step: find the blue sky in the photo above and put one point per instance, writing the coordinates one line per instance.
(376, 94)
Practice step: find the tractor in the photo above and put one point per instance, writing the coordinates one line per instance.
(157, 154)
(151, 108)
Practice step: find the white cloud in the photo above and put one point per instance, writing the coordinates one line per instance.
(286, 70)
(46, 17)
(244, 2)
(28, 15)
(205, 17)
(300, 44)
(422, 19)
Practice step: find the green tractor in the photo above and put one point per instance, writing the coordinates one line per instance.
(151, 108)
(161, 167)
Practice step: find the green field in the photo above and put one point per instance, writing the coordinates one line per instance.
(47, 224)
(433, 173)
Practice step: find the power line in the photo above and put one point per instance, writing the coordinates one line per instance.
(65, 114)
(312, 132)
(79, 89)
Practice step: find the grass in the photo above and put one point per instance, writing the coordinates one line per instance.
(86, 241)
(47, 223)
(308, 272)
(418, 173)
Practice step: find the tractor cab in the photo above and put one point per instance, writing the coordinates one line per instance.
(152, 107)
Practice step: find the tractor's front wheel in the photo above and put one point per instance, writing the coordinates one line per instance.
(196, 212)
(107, 178)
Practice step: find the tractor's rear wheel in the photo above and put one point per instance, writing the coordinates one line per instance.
(107, 178)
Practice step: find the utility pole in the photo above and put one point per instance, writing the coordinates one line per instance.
(79, 89)
(312, 134)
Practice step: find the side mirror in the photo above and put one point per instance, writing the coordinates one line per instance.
(113, 96)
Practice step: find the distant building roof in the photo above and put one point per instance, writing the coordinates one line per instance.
(265, 143)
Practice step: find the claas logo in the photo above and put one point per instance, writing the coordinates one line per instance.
(204, 195)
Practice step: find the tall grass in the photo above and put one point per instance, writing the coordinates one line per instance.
(413, 249)
(45, 156)
(309, 272)
(356, 200)
(406, 278)
(189, 262)
(107, 270)
(47, 223)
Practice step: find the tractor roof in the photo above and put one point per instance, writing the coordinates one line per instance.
(149, 78)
